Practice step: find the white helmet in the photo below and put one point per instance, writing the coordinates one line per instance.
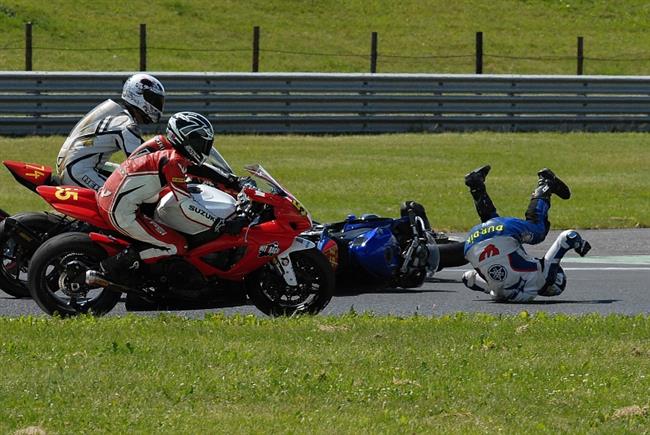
(146, 93)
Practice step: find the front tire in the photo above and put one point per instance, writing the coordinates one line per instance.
(15, 256)
(270, 293)
(57, 277)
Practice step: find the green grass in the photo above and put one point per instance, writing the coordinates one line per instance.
(352, 374)
(334, 176)
(525, 29)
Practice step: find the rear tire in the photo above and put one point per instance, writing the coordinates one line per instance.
(270, 293)
(58, 266)
(15, 258)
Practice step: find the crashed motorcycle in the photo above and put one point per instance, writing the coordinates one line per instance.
(283, 274)
(379, 251)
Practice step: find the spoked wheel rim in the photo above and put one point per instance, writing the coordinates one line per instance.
(64, 279)
(294, 298)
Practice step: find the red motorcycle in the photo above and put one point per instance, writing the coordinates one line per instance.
(23, 233)
(283, 274)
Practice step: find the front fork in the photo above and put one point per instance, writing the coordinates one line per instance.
(283, 262)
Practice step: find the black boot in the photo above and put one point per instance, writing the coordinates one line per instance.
(475, 180)
(122, 268)
(548, 184)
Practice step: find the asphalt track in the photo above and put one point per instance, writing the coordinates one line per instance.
(613, 278)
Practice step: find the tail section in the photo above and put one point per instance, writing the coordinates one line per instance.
(30, 175)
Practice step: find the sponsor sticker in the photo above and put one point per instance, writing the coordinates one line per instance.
(497, 272)
(269, 250)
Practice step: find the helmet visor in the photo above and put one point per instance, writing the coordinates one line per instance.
(153, 98)
(201, 147)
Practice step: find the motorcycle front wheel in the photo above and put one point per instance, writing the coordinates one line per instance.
(271, 294)
(57, 277)
(15, 254)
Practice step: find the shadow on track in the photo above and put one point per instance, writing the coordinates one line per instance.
(357, 290)
(553, 302)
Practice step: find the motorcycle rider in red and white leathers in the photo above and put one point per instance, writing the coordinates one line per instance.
(140, 180)
(107, 129)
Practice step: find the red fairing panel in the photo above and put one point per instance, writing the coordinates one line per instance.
(31, 174)
(110, 244)
(76, 202)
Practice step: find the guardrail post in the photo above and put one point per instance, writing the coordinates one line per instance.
(143, 47)
(373, 53)
(256, 49)
(28, 46)
(479, 52)
(581, 55)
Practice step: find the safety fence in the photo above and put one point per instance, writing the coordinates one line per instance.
(45, 103)
(374, 55)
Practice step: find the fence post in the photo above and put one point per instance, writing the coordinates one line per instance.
(479, 52)
(373, 53)
(256, 49)
(28, 46)
(143, 47)
(581, 55)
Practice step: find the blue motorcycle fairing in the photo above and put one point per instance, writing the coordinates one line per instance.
(376, 251)
(367, 245)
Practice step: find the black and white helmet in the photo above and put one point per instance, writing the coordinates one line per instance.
(191, 135)
(145, 93)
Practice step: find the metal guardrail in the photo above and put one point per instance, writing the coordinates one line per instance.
(45, 103)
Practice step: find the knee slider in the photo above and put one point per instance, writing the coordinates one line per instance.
(469, 278)
(555, 284)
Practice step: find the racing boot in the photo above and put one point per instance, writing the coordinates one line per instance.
(548, 183)
(475, 180)
(579, 245)
(122, 268)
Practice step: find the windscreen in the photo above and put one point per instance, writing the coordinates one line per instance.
(219, 163)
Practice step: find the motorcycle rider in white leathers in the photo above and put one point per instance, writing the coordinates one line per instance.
(107, 129)
(502, 268)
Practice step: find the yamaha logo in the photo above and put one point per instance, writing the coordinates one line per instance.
(497, 272)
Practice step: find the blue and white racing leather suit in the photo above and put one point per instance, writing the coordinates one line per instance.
(503, 269)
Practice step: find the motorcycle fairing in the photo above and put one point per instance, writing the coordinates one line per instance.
(110, 244)
(377, 251)
(30, 175)
(255, 236)
(76, 202)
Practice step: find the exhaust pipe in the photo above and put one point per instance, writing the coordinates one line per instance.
(97, 279)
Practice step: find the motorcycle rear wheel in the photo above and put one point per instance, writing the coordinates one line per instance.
(14, 257)
(57, 275)
(270, 293)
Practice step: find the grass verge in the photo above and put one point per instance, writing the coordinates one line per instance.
(352, 374)
(435, 36)
(334, 176)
